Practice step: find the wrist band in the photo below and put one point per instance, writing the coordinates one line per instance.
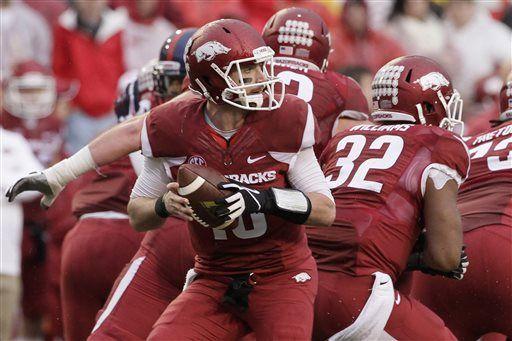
(160, 209)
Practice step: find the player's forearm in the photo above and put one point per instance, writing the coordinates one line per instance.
(142, 214)
(443, 249)
(323, 210)
(117, 142)
(443, 227)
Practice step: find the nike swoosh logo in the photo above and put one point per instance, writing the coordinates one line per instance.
(251, 160)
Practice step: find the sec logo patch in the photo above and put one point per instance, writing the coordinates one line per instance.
(197, 160)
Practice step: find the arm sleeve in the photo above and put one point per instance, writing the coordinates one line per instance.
(450, 160)
(306, 175)
(152, 181)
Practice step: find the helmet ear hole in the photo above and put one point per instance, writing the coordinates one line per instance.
(226, 30)
(207, 81)
(408, 77)
(429, 107)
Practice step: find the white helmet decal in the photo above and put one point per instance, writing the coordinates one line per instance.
(432, 80)
(209, 50)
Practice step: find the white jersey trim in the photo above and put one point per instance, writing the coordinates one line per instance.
(119, 291)
(104, 215)
(440, 174)
(144, 140)
(308, 138)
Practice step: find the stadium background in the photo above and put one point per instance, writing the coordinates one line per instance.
(93, 46)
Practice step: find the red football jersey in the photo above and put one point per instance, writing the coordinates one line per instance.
(107, 190)
(328, 94)
(486, 196)
(377, 175)
(258, 154)
(44, 135)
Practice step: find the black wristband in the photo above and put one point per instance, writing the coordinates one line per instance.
(289, 204)
(160, 209)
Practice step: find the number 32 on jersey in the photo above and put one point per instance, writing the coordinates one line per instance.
(355, 144)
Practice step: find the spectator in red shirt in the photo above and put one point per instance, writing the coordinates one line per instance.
(355, 43)
(88, 48)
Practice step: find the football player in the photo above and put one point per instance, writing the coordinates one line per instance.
(481, 303)
(33, 103)
(389, 181)
(302, 43)
(103, 231)
(258, 274)
(161, 281)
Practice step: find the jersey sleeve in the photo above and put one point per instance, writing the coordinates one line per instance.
(157, 131)
(355, 101)
(450, 160)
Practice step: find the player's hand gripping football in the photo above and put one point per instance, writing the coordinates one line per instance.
(175, 204)
(36, 181)
(287, 203)
(244, 199)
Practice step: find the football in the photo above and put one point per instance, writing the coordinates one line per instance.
(199, 185)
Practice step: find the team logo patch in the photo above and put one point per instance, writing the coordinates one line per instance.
(302, 277)
(433, 80)
(197, 160)
(210, 50)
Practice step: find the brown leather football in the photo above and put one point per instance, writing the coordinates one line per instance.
(199, 185)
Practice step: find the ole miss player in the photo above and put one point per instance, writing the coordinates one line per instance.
(481, 303)
(389, 181)
(302, 44)
(258, 275)
(103, 232)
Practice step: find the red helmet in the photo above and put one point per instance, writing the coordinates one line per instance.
(222, 46)
(298, 33)
(506, 101)
(30, 92)
(418, 90)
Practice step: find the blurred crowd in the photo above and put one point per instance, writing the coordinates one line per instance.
(63, 63)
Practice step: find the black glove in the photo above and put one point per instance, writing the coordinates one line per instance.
(415, 262)
(244, 200)
(35, 181)
(289, 204)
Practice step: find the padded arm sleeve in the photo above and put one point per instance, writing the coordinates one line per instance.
(152, 181)
(306, 175)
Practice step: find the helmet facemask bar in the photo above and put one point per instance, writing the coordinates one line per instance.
(236, 94)
(453, 120)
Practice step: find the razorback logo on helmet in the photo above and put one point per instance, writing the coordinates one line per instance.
(432, 80)
(209, 50)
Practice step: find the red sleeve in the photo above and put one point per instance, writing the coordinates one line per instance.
(449, 155)
(155, 131)
(294, 126)
(350, 90)
(61, 60)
